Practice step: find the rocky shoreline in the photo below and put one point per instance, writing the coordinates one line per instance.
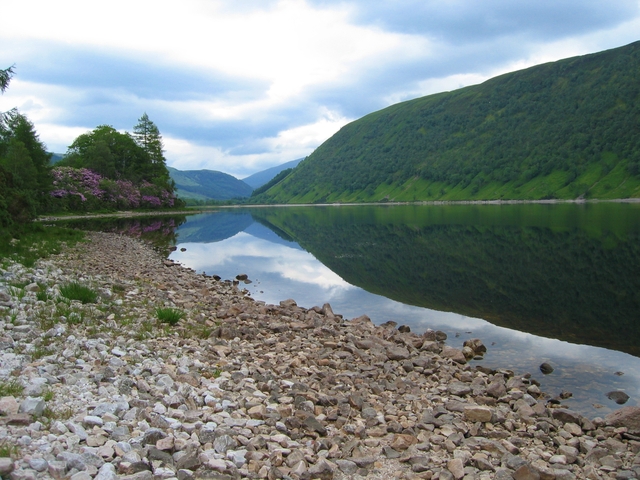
(241, 389)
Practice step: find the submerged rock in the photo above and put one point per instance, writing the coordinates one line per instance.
(546, 368)
(619, 397)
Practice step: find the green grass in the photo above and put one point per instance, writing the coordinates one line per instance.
(8, 449)
(50, 414)
(10, 388)
(27, 243)
(48, 395)
(39, 352)
(42, 295)
(77, 291)
(169, 315)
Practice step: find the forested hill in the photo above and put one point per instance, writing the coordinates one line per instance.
(567, 129)
(208, 184)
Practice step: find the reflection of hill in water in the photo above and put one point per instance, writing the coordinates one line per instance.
(213, 227)
(578, 283)
(263, 232)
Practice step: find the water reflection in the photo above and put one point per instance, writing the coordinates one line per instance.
(507, 267)
(560, 271)
(158, 230)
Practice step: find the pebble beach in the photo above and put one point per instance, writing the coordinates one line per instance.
(237, 388)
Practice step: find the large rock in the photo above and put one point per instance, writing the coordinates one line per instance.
(8, 406)
(397, 353)
(456, 467)
(403, 441)
(454, 354)
(6, 466)
(625, 417)
(477, 413)
(566, 416)
(32, 406)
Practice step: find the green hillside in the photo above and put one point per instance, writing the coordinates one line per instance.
(208, 185)
(265, 176)
(567, 129)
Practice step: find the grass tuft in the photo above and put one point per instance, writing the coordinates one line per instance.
(8, 449)
(11, 388)
(76, 291)
(42, 295)
(169, 315)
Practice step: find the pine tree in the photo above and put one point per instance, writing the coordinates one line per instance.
(5, 78)
(147, 135)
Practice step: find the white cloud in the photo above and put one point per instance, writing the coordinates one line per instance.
(287, 145)
(436, 85)
(280, 76)
(306, 137)
(292, 45)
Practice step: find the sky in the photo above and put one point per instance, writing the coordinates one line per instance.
(239, 86)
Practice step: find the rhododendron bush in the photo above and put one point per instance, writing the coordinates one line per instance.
(81, 189)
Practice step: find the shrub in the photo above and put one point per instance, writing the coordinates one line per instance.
(81, 189)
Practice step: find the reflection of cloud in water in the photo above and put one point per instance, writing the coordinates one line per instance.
(261, 257)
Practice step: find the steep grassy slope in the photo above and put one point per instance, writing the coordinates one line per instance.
(208, 184)
(566, 129)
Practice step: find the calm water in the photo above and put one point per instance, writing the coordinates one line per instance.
(554, 283)
(537, 283)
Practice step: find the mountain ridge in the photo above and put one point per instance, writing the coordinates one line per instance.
(208, 185)
(261, 178)
(562, 130)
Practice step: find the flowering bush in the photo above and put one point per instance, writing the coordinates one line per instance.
(81, 189)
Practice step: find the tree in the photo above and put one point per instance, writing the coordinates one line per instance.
(5, 78)
(147, 135)
(24, 165)
(111, 154)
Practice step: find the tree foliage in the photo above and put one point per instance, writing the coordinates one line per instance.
(128, 170)
(24, 165)
(102, 169)
(5, 78)
(147, 135)
(109, 153)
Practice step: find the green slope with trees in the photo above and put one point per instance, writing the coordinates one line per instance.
(208, 185)
(567, 129)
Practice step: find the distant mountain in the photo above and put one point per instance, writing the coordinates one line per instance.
(567, 130)
(208, 185)
(56, 157)
(258, 179)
